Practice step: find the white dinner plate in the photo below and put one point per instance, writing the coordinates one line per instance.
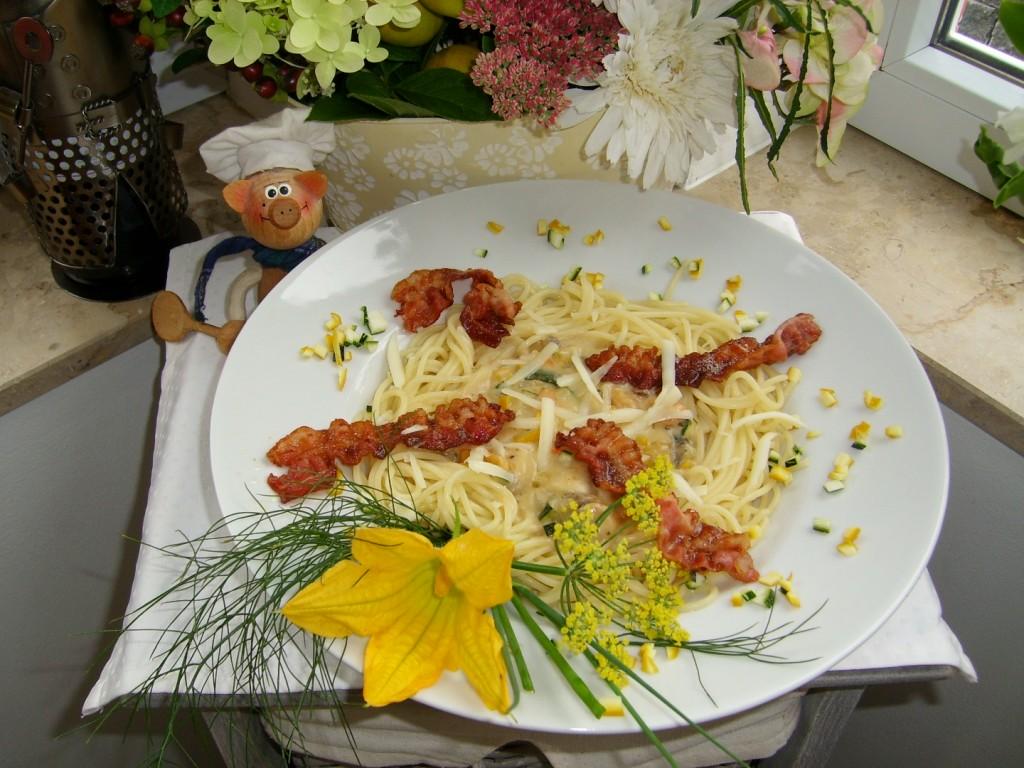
(897, 488)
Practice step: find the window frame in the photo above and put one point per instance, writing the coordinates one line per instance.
(920, 87)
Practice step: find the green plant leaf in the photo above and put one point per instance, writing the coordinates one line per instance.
(401, 53)
(339, 108)
(447, 93)
(369, 88)
(396, 71)
(989, 151)
(187, 58)
(162, 7)
(1011, 16)
(1012, 188)
(787, 16)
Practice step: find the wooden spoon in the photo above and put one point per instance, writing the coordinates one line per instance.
(172, 322)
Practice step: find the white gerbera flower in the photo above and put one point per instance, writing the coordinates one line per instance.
(666, 90)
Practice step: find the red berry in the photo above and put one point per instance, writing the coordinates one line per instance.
(253, 72)
(176, 18)
(145, 42)
(266, 87)
(290, 78)
(121, 18)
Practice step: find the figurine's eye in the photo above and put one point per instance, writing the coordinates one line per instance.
(284, 189)
(270, 192)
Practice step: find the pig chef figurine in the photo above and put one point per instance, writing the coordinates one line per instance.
(271, 183)
(268, 166)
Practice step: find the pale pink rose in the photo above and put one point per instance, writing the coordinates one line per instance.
(761, 69)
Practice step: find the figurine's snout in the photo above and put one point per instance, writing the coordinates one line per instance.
(285, 213)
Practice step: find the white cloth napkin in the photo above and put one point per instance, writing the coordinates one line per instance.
(182, 503)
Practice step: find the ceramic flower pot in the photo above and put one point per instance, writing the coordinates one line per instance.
(379, 166)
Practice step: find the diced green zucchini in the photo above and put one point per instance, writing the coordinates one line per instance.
(676, 262)
(556, 238)
(821, 525)
(860, 446)
(645, 269)
(541, 375)
(375, 322)
(480, 253)
(834, 486)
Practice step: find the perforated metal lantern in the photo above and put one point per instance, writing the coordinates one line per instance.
(83, 142)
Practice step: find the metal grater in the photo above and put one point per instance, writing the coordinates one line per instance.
(83, 143)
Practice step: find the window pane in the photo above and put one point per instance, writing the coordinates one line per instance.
(971, 29)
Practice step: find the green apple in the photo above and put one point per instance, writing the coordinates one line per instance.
(458, 56)
(422, 33)
(449, 8)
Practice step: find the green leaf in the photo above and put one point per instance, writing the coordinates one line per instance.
(187, 58)
(741, 121)
(487, 43)
(990, 153)
(827, 124)
(790, 118)
(1011, 16)
(787, 16)
(740, 8)
(447, 93)
(396, 71)
(401, 53)
(761, 106)
(339, 108)
(1012, 188)
(162, 7)
(369, 88)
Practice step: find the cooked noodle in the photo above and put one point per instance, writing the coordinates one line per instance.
(503, 487)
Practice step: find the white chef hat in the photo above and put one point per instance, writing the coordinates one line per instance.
(283, 140)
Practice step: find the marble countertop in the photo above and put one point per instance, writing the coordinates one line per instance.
(945, 266)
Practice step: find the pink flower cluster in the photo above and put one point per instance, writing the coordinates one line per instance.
(540, 46)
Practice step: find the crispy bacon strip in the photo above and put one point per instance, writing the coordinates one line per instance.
(311, 456)
(640, 367)
(697, 546)
(426, 293)
(611, 457)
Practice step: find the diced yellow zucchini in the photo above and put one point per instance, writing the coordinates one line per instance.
(665, 224)
(612, 707)
(827, 397)
(872, 401)
(495, 227)
(894, 431)
(647, 663)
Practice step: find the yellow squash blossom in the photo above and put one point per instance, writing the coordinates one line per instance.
(423, 608)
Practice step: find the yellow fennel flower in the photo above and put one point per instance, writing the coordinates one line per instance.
(643, 491)
(423, 608)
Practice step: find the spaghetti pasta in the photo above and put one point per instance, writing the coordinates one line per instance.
(719, 436)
